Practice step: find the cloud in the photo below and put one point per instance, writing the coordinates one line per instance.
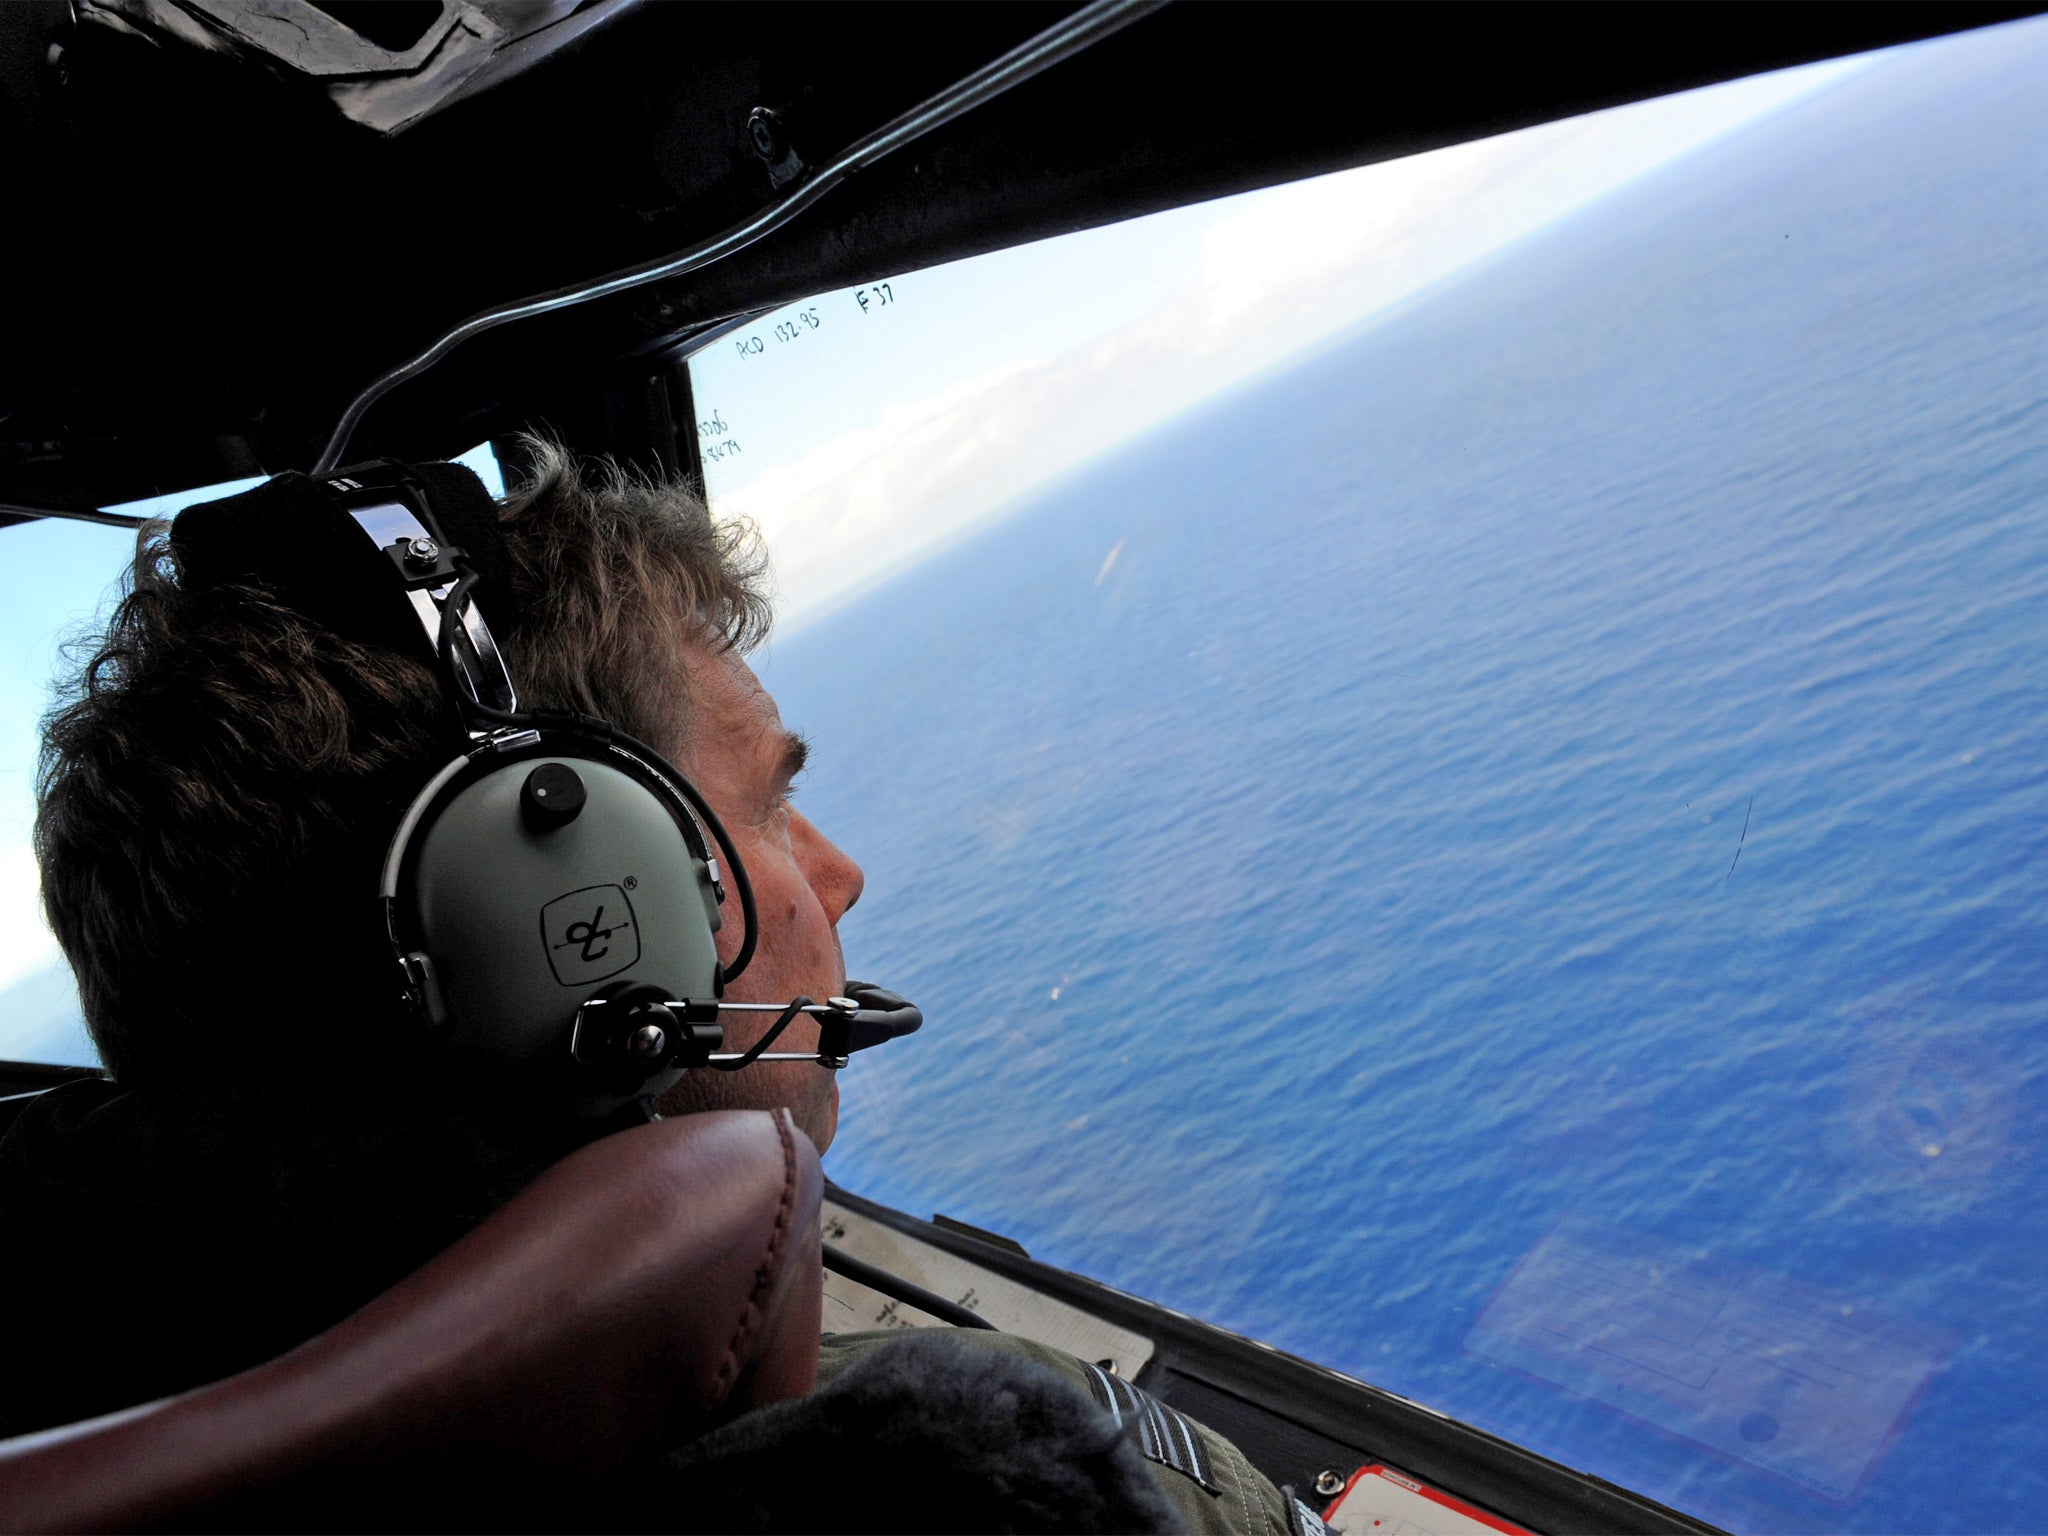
(1280, 271)
(864, 503)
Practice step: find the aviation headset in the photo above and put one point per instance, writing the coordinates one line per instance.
(552, 895)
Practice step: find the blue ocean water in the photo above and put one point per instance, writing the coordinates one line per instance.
(1511, 859)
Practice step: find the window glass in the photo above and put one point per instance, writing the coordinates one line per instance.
(54, 577)
(1454, 753)
(57, 580)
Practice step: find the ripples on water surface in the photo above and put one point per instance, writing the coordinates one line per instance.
(1335, 913)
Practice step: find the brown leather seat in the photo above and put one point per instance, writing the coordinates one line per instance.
(650, 1285)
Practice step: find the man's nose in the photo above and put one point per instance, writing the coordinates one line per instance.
(835, 878)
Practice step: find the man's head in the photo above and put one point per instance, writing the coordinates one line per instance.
(217, 795)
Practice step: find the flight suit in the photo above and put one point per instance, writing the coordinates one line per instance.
(1206, 1478)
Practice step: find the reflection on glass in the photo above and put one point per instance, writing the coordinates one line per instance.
(1794, 1378)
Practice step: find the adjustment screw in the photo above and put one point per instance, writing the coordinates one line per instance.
(764, 132)
(422, 551)
(647, 1042)
(1329, 1482)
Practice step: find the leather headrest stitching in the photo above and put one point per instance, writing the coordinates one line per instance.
(768, 1271)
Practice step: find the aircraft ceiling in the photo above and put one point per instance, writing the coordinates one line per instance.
(226, 217)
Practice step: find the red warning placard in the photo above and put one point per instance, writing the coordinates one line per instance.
(1378, 1501)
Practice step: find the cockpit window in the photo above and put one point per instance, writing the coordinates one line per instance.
(56, 578)
(1454, 753)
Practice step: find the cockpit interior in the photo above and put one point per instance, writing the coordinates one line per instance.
(1325, 551)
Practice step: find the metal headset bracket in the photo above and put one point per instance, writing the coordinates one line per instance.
(429, 567)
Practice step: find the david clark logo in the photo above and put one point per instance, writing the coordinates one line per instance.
(590, 934)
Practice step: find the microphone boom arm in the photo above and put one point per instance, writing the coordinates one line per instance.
(864, 1017)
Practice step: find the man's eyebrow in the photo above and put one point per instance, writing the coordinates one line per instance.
(795, 753)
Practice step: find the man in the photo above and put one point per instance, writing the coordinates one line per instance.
(279, 1142)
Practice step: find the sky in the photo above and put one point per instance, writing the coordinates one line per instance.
(865, 429)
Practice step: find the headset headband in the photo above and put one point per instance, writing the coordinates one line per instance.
(303, 539)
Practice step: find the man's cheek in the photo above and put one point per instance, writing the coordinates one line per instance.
(731, 933)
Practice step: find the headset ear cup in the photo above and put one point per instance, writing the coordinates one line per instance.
(516, 909)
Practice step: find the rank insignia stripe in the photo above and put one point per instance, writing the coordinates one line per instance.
(1164, 1434)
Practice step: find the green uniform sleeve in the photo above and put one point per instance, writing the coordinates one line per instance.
(1215, 1491)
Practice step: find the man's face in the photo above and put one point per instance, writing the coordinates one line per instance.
(738, 752)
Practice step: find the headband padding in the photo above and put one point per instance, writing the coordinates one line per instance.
(465, 516)
(291, 537)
